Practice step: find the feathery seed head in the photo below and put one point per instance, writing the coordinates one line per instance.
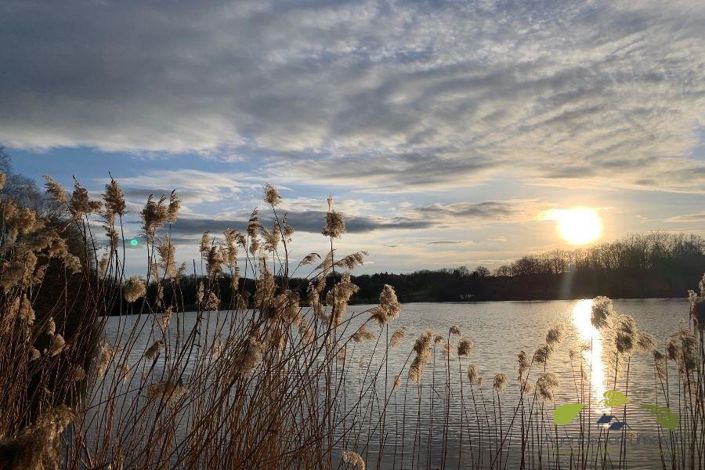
(114, 199)
(499, 383)
(388, 308)
(682, 348)
(335, 224)
(51, 327)
(351, 261)
(212, 303)
(660, 364)
(547, 385)
(72, 263)
(253, 224)
(697, 306)
(422, 347)
(154, 215)
(231, 241)
(601, 310)
(473, 375)
(625, 334)
(310, 258)
(26, 311)
(172, 211)
(168, 391)
(523, 361)
(76, 373)
(56, 191)
(106, 353)
(553, 336)
(464, 347)
(542, 354)
(397, 337)
(80, 204)
(167, 257)
(134, 289)
(526, 386)
(154, 350)
(354, 459)
(339, 296)
(362, 334)
(249, 356)
(57, 345)
(34, 354)
(271, 238)
(645, 342)
(271, 195)
(214, 260)
(165, 318)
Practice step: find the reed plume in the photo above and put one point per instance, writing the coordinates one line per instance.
(354, 459)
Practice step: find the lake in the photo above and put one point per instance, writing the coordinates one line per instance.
(421, 420)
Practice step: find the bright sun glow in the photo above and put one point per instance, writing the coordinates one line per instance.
(578, 226)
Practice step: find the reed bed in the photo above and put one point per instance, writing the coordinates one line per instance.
(284, 376)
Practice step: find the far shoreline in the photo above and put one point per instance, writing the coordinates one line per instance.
(191, 309)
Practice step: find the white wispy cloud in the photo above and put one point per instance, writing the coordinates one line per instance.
(380, 96)
(698, 217)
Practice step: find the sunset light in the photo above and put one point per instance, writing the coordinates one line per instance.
(352, 235)
(577, 226)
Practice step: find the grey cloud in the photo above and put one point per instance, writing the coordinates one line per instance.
(483, 210)
(140, 194)
(434, 216)
(392, 173)
(309, 221)
(313, 221)
(688, 218)
(382, 98)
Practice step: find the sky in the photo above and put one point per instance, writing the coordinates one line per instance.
(444, 131)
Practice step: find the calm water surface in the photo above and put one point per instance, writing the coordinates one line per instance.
(499, 331)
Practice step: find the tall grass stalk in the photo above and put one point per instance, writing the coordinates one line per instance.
(105, 370)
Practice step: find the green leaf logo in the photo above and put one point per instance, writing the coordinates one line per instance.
(663, 414)
(565, 414)
(614, 398)
(653, 409)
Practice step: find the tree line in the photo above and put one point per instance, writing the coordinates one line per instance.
(653, 265)
(639, 266)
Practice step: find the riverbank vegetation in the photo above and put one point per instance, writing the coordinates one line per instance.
(285, 375)
(640, 266)
(657, 265)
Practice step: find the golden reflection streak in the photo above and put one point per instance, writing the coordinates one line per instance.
(582, 314)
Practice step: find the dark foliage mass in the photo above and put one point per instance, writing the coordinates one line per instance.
(653, 265)
(640, 266)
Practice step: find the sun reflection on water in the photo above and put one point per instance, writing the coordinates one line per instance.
(582, 313)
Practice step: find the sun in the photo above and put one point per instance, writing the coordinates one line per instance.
(577, 226)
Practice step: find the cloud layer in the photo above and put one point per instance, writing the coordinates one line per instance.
(382, 96)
